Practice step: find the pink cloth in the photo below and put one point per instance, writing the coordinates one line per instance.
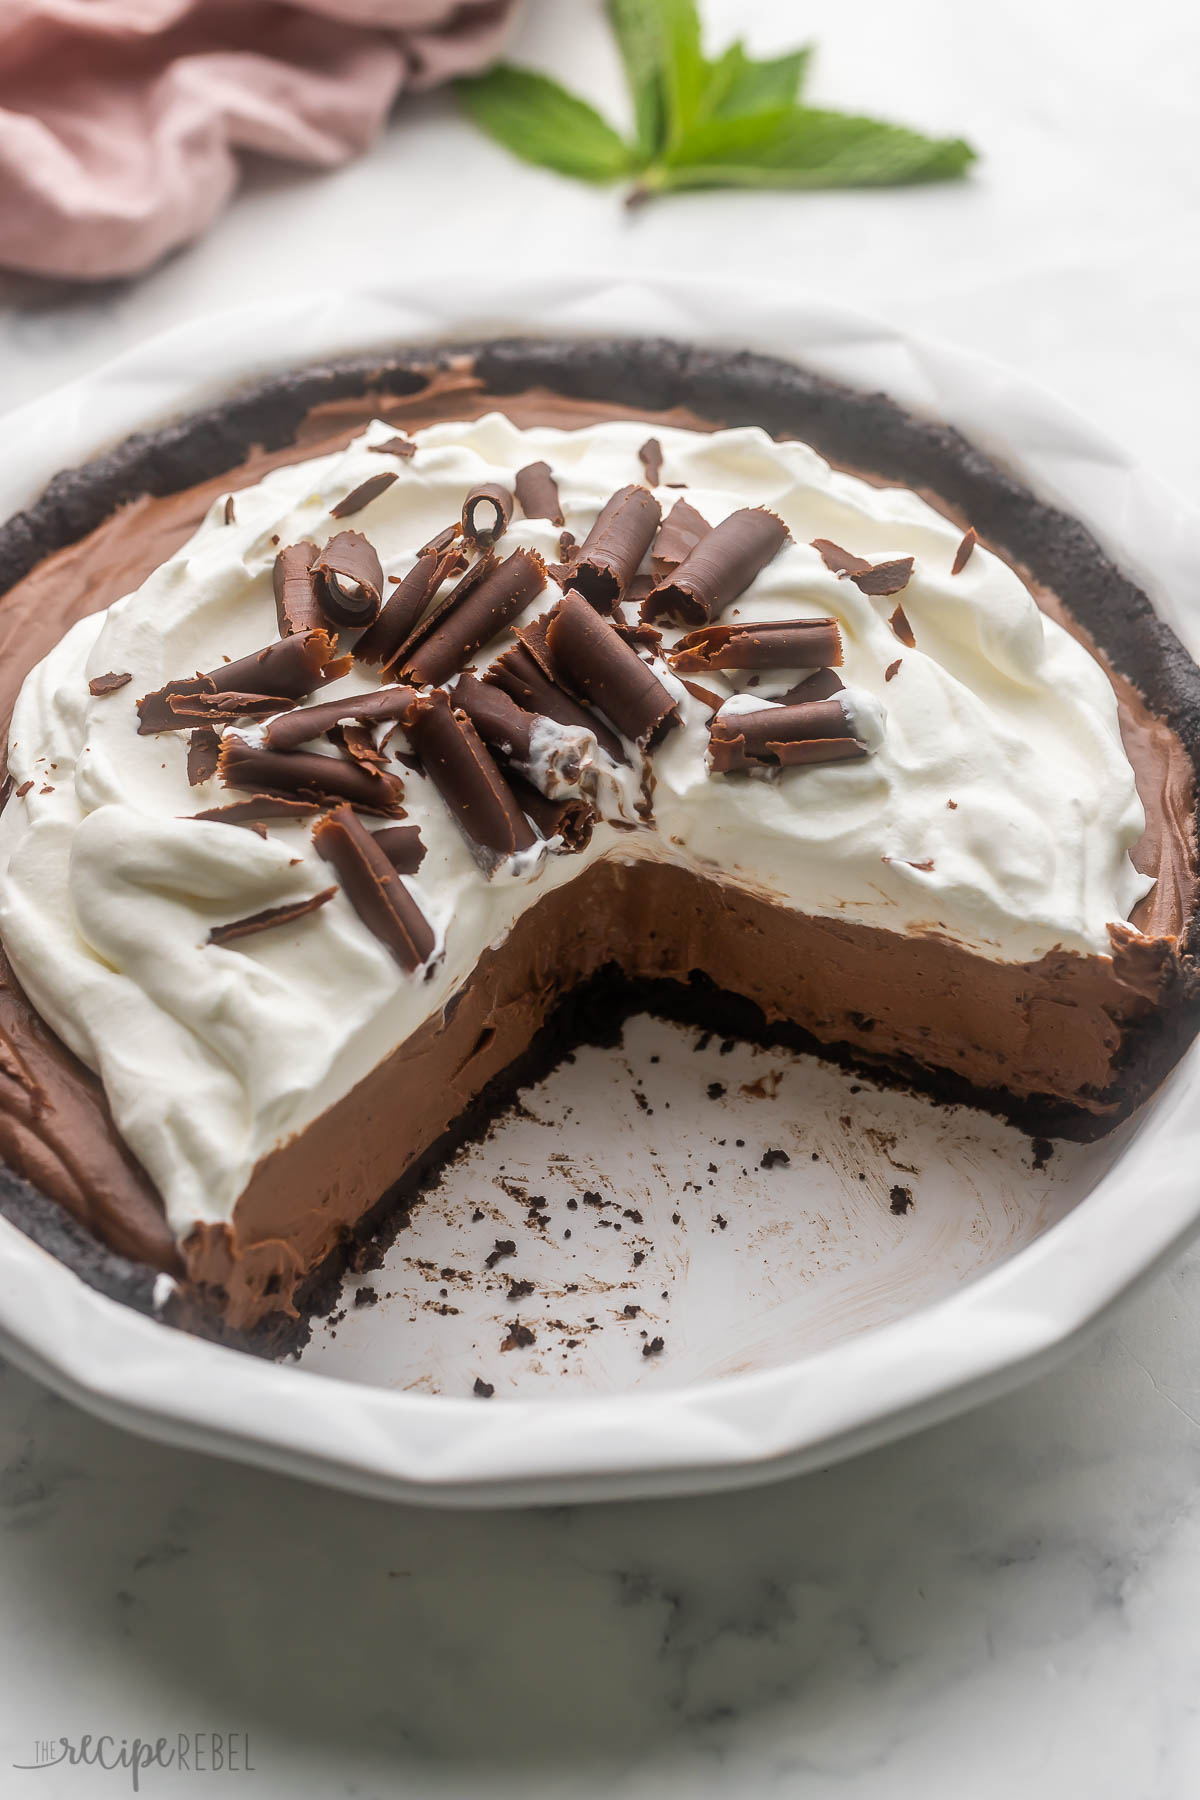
(120, 120)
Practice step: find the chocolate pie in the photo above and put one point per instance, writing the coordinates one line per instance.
(385, 731)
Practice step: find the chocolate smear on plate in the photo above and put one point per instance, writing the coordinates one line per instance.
(351, 579)
(759, 644)
(811, 731)
(307, 775)
(473, 618)
(537, 493)
(720, 567)
(485, 514)
(363, 494)
(268, 918)
(374, 888)
(108, 684)
(607, 672)
(466, 775)
(612, 551)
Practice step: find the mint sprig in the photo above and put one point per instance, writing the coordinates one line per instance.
(701, 122)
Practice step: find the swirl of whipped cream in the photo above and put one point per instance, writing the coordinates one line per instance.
(997, 807)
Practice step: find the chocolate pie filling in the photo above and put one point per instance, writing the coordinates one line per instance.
(1069, 1044)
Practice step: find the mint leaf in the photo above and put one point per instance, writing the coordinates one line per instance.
(685, 73)
(739, 84)
(541, 122)
(638, 28)
(803, 147)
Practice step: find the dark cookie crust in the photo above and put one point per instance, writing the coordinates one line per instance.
(865, 430)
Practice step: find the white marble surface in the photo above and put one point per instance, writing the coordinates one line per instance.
(1004, 1604)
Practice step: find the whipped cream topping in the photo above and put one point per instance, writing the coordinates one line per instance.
(997, 807)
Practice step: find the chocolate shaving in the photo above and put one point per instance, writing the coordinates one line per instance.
(297, 601)
(892, 668)
(259, 807)
(405, 608)
(521, 677)
(374, 888)
(842, 562)
(608, 674)
(485, 514)
(230, 515)
(537, 492)
(903, 630)
(466, 775)
(309, 722)
(308, 775)
(107, 684)
(272, 915)
(610, 554)
(720, 567)
(759, 644)
(962, 555)
(24, 789)
(571, 819)
(821, 686)
(811, 731)
(363, 494)
(287, 670)
(473, 619)
(402, 846)
(222, 709)
(351, 579)
(394, 446)
(203, 748)
(358, 744)
(651, 458)
(678, 536)
(705, 695)
(880, 579)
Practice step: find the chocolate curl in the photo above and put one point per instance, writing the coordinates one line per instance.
(271, 915)
(608, 674)
(812, 731)
(520, 676)
(203, 748)
(609, 556)
(351, 578)
(551, 756)
(651, 458)
(485, 514)
(292, 729)
(500, 722)
(363, 494)
(458, 631)
(428, 622)
(465, 774)
(309, 776)
(441, 541)
(404, 609)
(287, 670)
(297, 602)
(759, 644)
(402, 846)
(721, 567)
(537, 492)
(572, 819)
(374, 888)
(257, 808)
(678, 535)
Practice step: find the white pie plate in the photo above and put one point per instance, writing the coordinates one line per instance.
(866, 1349)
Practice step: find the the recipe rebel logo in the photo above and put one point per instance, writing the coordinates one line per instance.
(189, 1752)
